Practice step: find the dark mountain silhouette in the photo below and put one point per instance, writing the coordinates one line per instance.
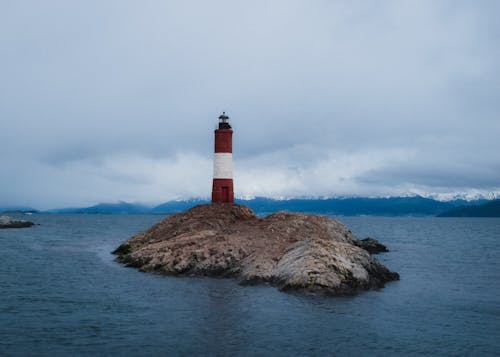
(390, 206)
(17, 209)
(488, 209)
(107, 208)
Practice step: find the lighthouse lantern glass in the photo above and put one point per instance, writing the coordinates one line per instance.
(223, 121)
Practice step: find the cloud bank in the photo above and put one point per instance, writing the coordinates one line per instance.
(117, 100)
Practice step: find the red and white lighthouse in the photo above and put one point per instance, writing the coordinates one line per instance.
(222, 187)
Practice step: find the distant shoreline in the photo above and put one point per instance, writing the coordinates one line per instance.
(416, 206)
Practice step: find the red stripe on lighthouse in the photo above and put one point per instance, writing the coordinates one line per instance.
(223, 140)
(222, 187)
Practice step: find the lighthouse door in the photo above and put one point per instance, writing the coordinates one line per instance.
(225, 194)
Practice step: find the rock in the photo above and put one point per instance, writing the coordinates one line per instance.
(293, 251)
(7, 222)
(371, 245)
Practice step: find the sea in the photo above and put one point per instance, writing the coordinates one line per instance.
(62, 294)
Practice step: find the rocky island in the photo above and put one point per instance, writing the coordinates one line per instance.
(292, 251)
(7, 222)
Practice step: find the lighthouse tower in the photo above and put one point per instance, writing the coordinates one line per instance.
(222, 187)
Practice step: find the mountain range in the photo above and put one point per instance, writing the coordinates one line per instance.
(352, 206)
(488, 209)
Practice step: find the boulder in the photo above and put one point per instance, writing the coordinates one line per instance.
(371, 245)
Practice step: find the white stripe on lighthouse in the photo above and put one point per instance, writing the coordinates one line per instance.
(223, 165)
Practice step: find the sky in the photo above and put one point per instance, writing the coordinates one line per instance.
(102, 101)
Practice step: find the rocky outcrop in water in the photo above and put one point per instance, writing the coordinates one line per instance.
(371, 245)
(7, 222)
(292, 251)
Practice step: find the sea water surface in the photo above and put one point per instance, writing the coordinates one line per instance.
(61, 293)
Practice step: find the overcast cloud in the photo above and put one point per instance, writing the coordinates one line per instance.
(117, 100)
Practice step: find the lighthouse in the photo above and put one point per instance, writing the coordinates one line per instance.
(222, 187)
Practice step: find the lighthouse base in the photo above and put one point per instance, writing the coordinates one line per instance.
(222, 191)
